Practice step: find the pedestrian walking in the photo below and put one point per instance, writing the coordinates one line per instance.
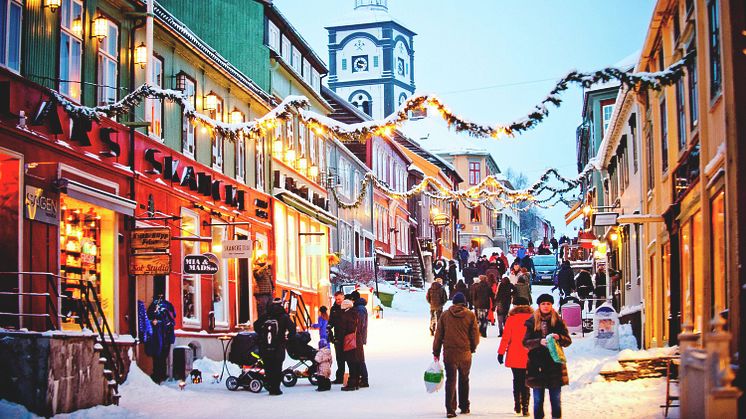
(162, 316)
(274, 327)
(440, 271)
(264, 288)
(542, 372)
(336, 336)
(585, 288)
(482, 265)
(600, 289)
(522, 287)
(528, 263)
(515, 272)
(463, 289)
(436, 297)
(502, 302)
(512, 343)
(473, 255)
(480, 297)
(452, 276)
(359, 304)
(324, 370)
(503, 267)
(463, 258)
(566, 281)
(470, 272)
(457, 335)
(352, 344)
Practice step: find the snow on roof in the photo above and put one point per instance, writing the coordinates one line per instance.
(413, 168)
(627, 63)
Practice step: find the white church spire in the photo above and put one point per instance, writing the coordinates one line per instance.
(374, 5)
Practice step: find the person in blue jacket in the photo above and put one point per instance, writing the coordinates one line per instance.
(321, 324)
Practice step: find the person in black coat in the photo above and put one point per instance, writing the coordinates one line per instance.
(359, 304)
(482, 265)
(452, 277)
(566, 279)
(542, 372)
(528, 263)
(585, 287)
(462, 288)
(600, 290)
(274, 328)
(481, 298)
(333, 331)
(162, 316)
(349, 325)
(440, 271)
(502, 302)
(470, 272)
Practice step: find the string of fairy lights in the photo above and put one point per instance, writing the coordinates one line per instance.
(490, 192)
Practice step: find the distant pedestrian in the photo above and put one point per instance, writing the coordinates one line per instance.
(274, 327)
(463, 258)
(512, 342)
(502, 302)
(600, 290)
(437, 297)
(503, 265)
(554, 243)
(463, 289)
(542, 372)
(585, 288)
(473, 255)
(522, 287)
(440, 270)
(452, 276)
(480, 297)
(352, 344)
(482, 265)
(515, 272)
(457, 335)
(324, 370)
(566, 281)
(470, 272)
(264, 288)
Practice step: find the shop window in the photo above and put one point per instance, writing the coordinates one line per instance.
(190, 284)
(11, 12)
(87, 248)
(220, 279)
(293, 253)
(698, 277)
(71, 48)
(281, 251)
(155, 106)
(692, 285)
(304, 257)
(719, 276)
(108, 63)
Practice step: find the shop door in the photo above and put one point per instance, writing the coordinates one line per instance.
(10, 204)
(244, 284)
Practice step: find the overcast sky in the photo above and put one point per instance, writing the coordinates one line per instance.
(491, 61)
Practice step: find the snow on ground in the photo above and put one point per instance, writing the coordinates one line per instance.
(398, 352)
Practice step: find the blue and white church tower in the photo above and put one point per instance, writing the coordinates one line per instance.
(371, 59)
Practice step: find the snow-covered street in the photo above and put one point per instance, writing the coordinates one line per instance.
(398, 352)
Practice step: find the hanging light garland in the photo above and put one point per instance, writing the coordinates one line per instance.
(360, 132)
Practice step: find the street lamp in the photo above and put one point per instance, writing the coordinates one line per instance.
(53, 5)
(141, 55)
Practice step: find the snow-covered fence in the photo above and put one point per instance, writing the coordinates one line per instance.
(705, 386)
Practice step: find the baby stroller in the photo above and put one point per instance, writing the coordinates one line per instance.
(244, 352)
(299, 350)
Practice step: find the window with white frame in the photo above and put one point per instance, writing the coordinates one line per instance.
(71, 48)
(273, 37)
(190, 284)
(155, 106)
(240, 149)
(297, 63)
(475, 172)
(187, 130)
(108, 65)
(315, 80)
(259, 166)
(306, 71)
(606, 112)
(286, 49)
(11, 16)
(220, 279)
(217, 139)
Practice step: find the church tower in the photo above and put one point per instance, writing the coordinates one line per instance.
(371, 59)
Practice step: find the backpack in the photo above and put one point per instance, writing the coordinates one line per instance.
(269, 332)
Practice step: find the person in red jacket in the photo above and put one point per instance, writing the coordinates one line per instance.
(512, 341)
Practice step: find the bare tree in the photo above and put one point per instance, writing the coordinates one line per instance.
(519, 180)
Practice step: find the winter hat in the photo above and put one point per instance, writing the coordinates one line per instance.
(323, 343)
(459, 299)
(520, 301)
(545, 298)
(346, 305)
(355, 295)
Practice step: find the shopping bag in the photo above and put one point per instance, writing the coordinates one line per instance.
(555, 350)
(434, 377)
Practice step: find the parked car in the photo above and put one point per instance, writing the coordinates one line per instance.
(546, 267)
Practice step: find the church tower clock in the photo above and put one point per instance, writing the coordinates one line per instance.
(371, 59)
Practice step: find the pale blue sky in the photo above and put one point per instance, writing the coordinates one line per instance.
(492, 60)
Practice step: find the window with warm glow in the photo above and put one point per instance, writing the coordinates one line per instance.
(71, 48)
(108, 65)
(476, 214)
(11, 12)
(220, 279)
(687, 280)
(217, 139)
(190, 284)
(281, 252)
(293, 253)
(188, 131)
(240, 143)
(155, 106)
(719, 276)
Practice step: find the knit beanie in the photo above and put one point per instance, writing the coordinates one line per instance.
(459, 299)
(545, 298)
(520, 301)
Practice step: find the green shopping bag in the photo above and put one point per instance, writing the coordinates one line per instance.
(555, 350)
(434, 377)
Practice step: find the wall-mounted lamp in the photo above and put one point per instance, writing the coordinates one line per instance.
(302, 163)
(53, 5)
(77, 26)
(211, 101)
(277, 148)
(181, 81)
(290, 155)
(236, 116)
(587, 210)
(100, 28)
(614, 236)
(313, 171)
(141, 55)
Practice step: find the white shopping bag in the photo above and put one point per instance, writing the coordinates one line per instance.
(434, 377)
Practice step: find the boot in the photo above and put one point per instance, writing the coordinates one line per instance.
(525, 405)
(517, 400)
(352, 384)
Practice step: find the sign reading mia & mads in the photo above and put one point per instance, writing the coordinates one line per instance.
(201, 264)
(40, 206)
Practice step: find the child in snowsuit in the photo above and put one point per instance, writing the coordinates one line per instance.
(324, 359)
(322, 323)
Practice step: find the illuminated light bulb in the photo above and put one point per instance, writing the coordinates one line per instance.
(100, 28)
(277, 147)
(77, 26)
(302, 163)
(203, 130)
(313, 171)
(290, 155)
(614, 236)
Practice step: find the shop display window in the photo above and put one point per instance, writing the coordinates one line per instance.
(190, 283)
(86, 255)
(719, 276)
(219, 280)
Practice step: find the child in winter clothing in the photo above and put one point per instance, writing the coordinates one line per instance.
(322, 323)
(324, 359)
(512, 342)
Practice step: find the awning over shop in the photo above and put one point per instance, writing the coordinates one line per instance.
(80, 191)
(303, 206)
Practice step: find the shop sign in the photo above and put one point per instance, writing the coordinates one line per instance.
(151, 238)
(237, 249)
(441, 220)
(40, 206)
(201, 264)
(150, 264)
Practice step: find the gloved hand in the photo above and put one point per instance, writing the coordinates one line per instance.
(436, 358)
(500, 358)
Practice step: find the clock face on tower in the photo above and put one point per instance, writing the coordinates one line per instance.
(400, 66)
(359, 63)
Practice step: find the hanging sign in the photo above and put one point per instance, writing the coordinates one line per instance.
(237, 249)
(41, 206)
(201, 264)
(441, 220)
(150, 264)
(151, 238)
